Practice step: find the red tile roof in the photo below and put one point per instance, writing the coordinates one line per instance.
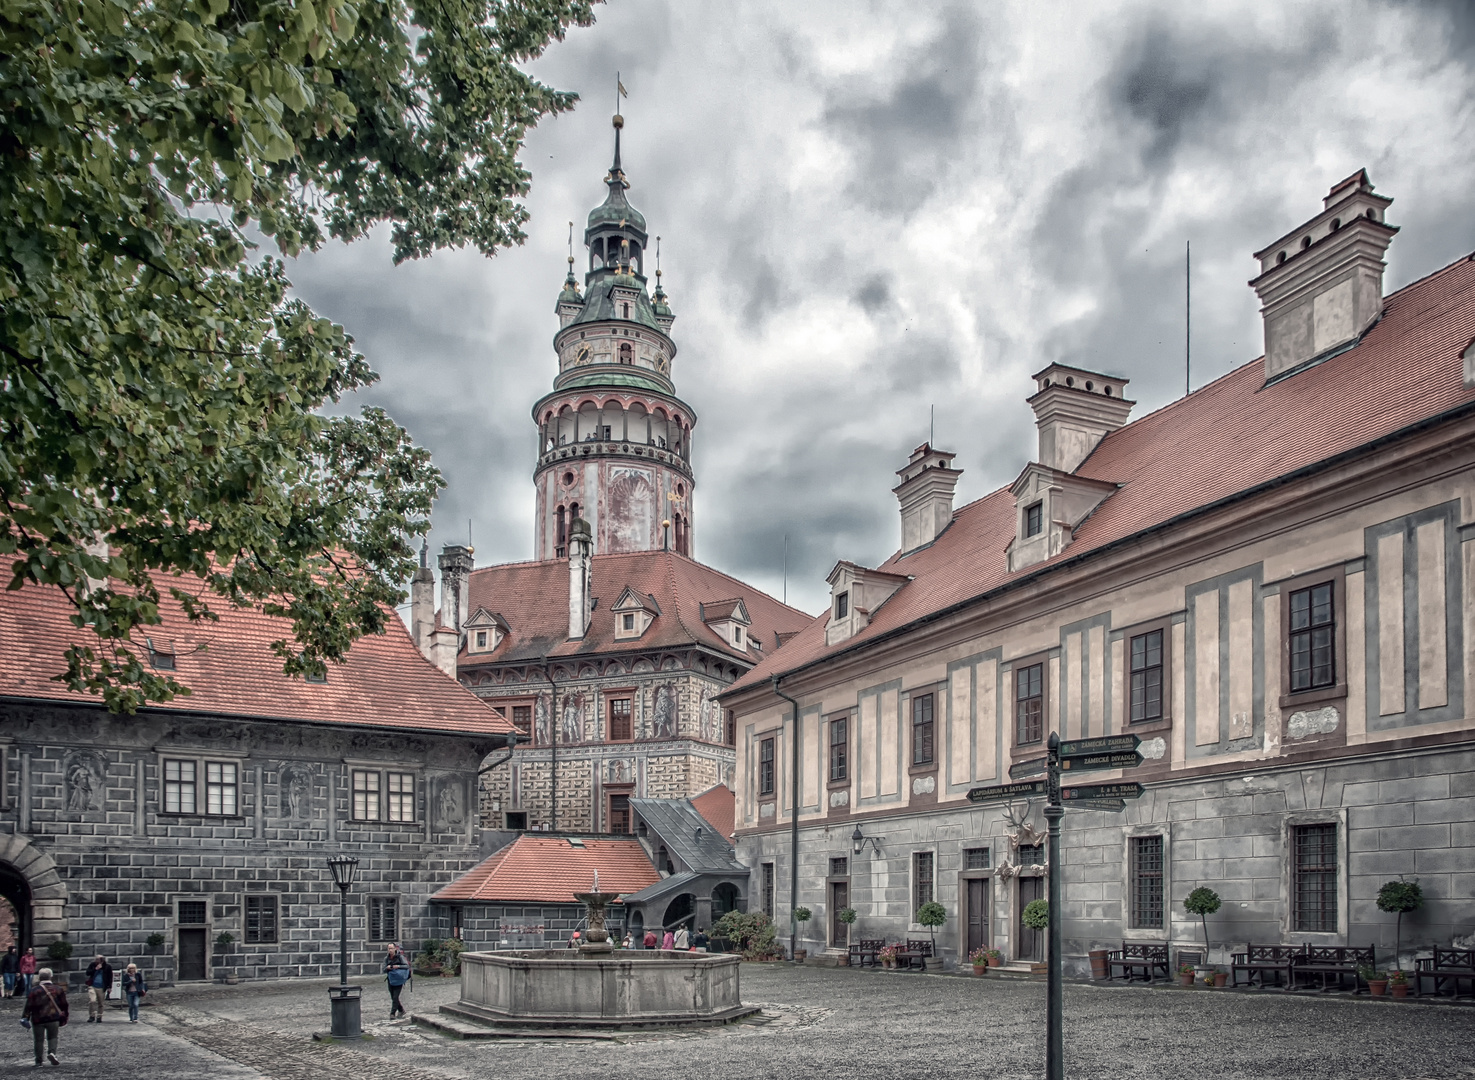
(550, 870)
(1228, 437)
(532, 598)
(719, 806)
(231, 671)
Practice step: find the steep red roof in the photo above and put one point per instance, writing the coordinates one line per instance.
(551, 869)
(532, 597)
(1232, 435)
(230, 668)
(719, 806)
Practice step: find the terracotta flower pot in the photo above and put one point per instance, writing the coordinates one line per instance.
(980, 969)
(995, 961)
(1377, 987)
(1398, 989)
(1186, 979)
(888, 963)
(799, 955)
(1221, 978)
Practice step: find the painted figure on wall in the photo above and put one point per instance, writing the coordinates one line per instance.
(708, 707)
(296, 784)
(84, 771)
(572, 729)
(450, 805)
(666, 712)
(542, 722)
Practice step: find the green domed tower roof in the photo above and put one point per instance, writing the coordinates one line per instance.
(616, 209)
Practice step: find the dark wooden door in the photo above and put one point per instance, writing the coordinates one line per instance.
(192, 955)
(1031, 942)
(839, 898)
(977, 913)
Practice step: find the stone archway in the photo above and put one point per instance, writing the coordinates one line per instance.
(725, 898)
(30, 881)
(680, 910)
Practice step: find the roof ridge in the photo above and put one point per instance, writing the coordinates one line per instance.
(739, 582)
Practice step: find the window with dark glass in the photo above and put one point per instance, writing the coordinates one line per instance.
(768, 889)
(161, 657)
(731, 727)
(1313, 626)
(839, 733)
(1029, 706)
(628, 620)
(619, 813)
(619, 720)
(765, 767)
(975, 858)
(261, 920)
(383, 918)
(1031, 854)
(1034, 519)
(1146, 883)
(922, 730)
(842, 605)
(1315, 898)
(522, 718)
(839, 866)
(1147, 677)
(192, 912)
(922, 878)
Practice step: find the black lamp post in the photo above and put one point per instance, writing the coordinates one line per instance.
(347, 1022)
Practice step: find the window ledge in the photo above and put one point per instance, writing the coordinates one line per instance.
(183, 816)
(382, 822)
(923, 769)
(1148, 727)
(838, 785)
(1312, 697)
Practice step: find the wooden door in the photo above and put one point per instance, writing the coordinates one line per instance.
(839, 898)
(977, 914)
(192, 955)
(1030, 943)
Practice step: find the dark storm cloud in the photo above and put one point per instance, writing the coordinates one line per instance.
(873, 295)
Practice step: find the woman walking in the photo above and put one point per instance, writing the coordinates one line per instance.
(134, 987)
(46, 1011)
(27, 972)
(682, 941)
(396, 973)
(669, 941)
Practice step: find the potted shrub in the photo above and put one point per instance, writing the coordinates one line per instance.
(888, 956)
(995, 958)
(1398, 984)
(753, 934)
(979, 958)
(1203, 903)
(932, 915)
(428, 959)
(801, 915)
(59, 952)
(1036, 916)
(1396, 897)
(1377, 981)
(847, 916)
(1185, 974)
(154, 940)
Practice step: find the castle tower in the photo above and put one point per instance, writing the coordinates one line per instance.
(614, 440)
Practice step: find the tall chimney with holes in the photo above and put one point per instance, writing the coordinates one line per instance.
(928, 481)
(580, 577)
(456, 563)
(1321, 284)
(1074, 410)
(422, 603)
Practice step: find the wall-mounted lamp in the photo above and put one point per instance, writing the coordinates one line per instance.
(858, 842)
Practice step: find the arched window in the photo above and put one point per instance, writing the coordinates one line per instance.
(573, 513)
(626, 308)
(562, 531)
(627, 354)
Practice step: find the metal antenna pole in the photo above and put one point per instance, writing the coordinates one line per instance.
(1055, 987)
(1187, 317)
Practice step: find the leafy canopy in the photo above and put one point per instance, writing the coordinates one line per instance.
(161, 423)
(1036, 914)
(1396, 897)
(1202, 901)
(931, 914)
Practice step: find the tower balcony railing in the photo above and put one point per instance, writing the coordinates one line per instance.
(624, 448)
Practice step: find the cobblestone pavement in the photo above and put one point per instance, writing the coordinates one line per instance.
(827, 1022)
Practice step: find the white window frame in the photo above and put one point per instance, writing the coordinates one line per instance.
(378, 780)
(1147, 933)
(200, 765)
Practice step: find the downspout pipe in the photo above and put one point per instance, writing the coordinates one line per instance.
(793, 824)
(553, 725)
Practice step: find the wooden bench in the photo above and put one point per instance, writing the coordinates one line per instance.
(915, 954)
(1137, 956)
(1257, 961)
(868, 951)
(1446, 965)
(1334, 961)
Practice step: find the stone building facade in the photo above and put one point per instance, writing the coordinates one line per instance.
(1271, 582)
(150, 838)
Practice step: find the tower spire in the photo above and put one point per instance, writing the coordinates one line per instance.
(617, 174)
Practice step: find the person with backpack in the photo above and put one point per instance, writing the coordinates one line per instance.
(45, 1014)
(134, 988)
(396, 973)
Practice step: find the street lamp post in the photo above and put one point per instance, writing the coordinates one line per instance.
(347, 1021)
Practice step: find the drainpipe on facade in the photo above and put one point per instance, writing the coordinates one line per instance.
(553, 731)
(793, 824)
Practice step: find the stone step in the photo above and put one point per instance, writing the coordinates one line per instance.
(458, 1029)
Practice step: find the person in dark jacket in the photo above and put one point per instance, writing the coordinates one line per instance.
(9, 968)
(396, 973)
(46, 1009)
(99, 982)
(134, 987)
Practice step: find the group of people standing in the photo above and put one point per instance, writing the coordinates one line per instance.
(47, 1010)
(678, 939)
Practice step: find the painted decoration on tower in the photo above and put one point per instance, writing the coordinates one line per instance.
(631, 508)
(295, 783)
(710, 714)
(667, 713)
(571, 727)
(85, 772)
(449, 796)
(542, 723)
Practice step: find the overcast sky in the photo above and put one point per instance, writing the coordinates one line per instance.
(870, 209)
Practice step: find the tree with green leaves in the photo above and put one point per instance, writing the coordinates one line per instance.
(1397, 897)
(932, 915)
(1203, 902)
(162, 421)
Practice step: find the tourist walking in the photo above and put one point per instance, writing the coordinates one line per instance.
(629, 942)
(669, 941)
(46, 1013)
(682, 941)
(700, 941)
(99, 982)
(650, 941)
(396, 973)
(26, 973)
(10, 968)
(134, 987)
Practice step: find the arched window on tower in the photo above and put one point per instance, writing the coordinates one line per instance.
(573, 513)
(561, 541)
(626, 308)
(627, 354)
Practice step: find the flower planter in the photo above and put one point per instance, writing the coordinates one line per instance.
(1098, 963)
(995, 961)
(888, 963)
(1398, 989)
(1039, 969)
(1221, 978)
(1185, 979)
(799, 955)
(980, 969)
(842, 961)
(1377, 987)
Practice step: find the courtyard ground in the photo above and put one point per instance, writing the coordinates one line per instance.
(817, 1022)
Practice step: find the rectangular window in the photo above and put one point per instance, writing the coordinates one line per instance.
(1316, 878)
(842, 605)
(179, 787)
(1146, 873)
(365, 795)
(161, 657)
(922, 729)
(975, 858)
(1312, 633)
(522, 718)
(922, 878)
(1029, 693)
(1031, 854)
(261, 920)
(619, 720)
(619, 813)
(768, 889)
(1034, 519)
(838, 747)
(481, 639)
(1147, 677)
(220, 788)
(839, 867)
(383, 918)
(628, 620)
(731, 727)
(765, 767)
(401, 796)
(192, 912)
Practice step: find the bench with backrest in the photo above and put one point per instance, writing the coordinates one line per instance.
(1134, 957)
(866, 952)
(1445, 966)
(1328, 962)
(1257, 961)
(915, 954)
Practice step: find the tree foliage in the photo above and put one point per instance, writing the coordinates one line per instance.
(751, 931)
(1202, 902)
(1398, 898)
(162, 393)
(1036, 914)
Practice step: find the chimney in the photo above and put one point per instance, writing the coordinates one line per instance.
(422, 603)
(580, 573)
(456, 564)
(1321, 285)
(1074, 410)
(445, 643)
(926, 495)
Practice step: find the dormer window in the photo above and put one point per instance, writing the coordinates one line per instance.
(485, 631)
(842, 605)
(633, 614)
(737, 636)
(161, 657)
(1034, 519)
(481, 639)
(627, 621)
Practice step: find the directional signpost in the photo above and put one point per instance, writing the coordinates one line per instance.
(1001, 792)
(1110, 806)
(1130, 790)
(1128, 760)
(1023, 770)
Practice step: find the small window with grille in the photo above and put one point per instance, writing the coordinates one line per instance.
(839, 867)
(1315, 899)
(1031, 854)
(922, 879)
(975, 858)
(383, 918)
(193, 912)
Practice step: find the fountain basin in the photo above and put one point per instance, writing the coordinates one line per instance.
(623, 989)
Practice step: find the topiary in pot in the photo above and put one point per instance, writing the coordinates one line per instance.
(1203, 903)
(847, 915)
(59, 950)
(932, 915)
(155, 940)
(1036, 914)
(1396, 897)
(801, 915)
